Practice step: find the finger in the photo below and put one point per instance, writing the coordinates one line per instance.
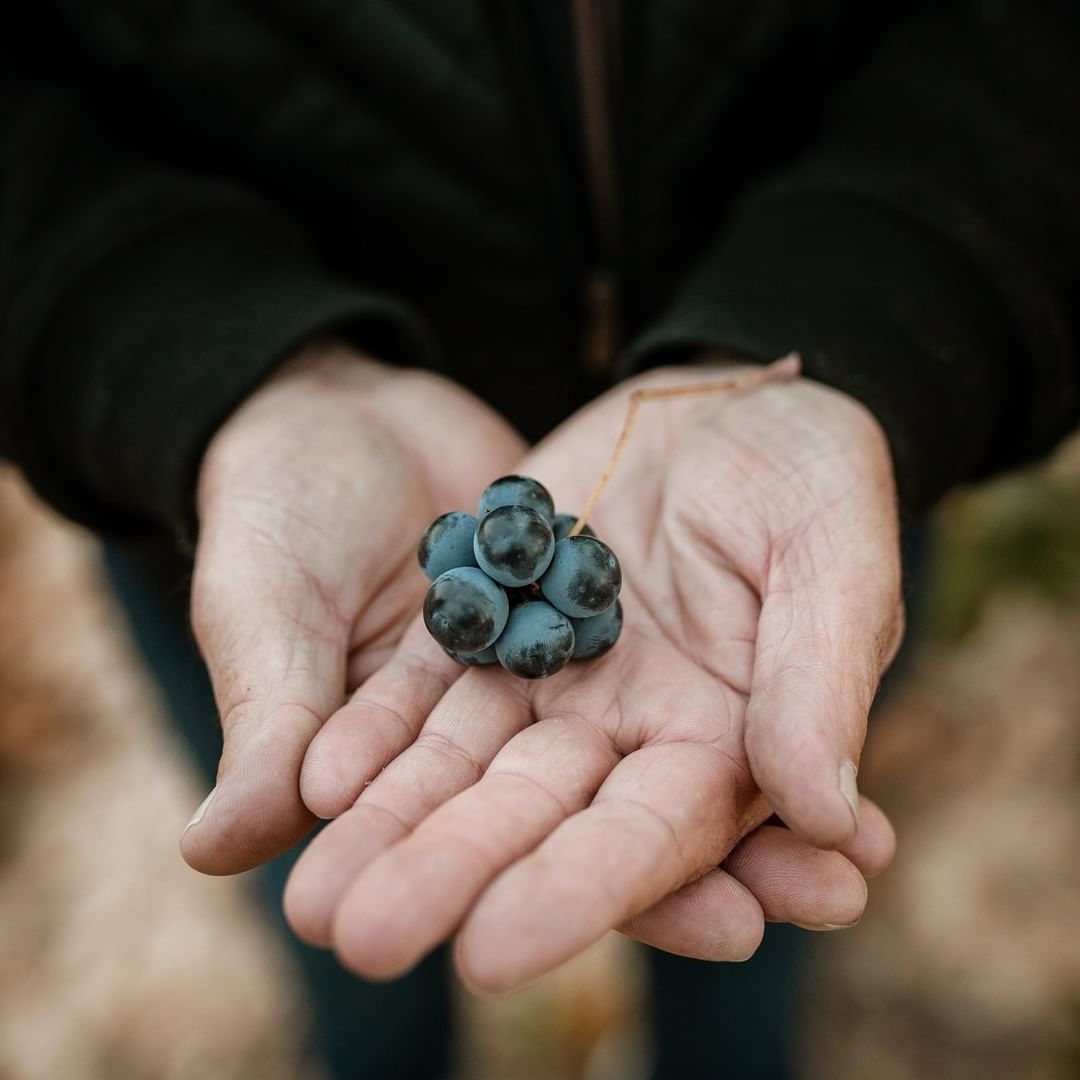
(469, 726)
(416, 894)
(381, 719)
(714, 918)
(874, 846)
(275, 650)
(323, 873)
(665, 815)
(771, 876)
(830, 622)
(796, 883)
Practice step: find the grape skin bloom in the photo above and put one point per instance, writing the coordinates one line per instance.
(584, 577)
(474, 659)
(447, 543)
(513, 545)
(594, 636)
(514, 587)
(464, 610)
(517, 491)
(537, 642)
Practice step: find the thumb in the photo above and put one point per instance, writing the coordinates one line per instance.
(276, 652)
(830, 623)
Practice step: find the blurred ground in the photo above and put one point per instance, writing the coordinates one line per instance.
(121, 964)
(968, 961)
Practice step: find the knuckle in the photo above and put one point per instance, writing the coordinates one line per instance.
(442, 746)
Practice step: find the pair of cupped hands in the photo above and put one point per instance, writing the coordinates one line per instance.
(693, 784)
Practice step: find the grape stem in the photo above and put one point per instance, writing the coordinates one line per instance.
(782, 370)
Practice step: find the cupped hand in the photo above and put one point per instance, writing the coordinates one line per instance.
(311, 498)
(759, 544)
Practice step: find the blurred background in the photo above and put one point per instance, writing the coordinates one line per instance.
(120, 963)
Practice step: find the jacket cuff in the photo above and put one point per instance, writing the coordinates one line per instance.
(139, 368)
(878, 308)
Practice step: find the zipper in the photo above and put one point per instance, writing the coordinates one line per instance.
(596, 46)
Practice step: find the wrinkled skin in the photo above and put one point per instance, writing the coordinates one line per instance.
(758, 539)
(311, 500)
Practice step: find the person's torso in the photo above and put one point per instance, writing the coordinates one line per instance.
(450, 152)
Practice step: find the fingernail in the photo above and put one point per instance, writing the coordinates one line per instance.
(198, 815)
(850, 789)
(827, 926)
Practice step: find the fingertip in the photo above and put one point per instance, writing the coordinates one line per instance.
(201, 845)
(359, 740)
(715, 918)
(370, 969)
(756, 942)
(494, 953)
(327, 869)
(350, 750)
(839, 901)
(873, 847)
(245, 825)
(482, 970)
(797, 883)
(328, 786)
(381, 928)
(463, 967)
(306, 909)
(200, 811)
(744, 946)
(368, 948)
(820, 815)
(827, 826)
(811, 793)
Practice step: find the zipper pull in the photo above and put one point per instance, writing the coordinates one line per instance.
(600, 340)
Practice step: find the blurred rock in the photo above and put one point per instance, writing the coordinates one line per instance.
(119, 962)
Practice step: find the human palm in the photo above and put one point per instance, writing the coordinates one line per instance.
(757, 539)
(310, 498)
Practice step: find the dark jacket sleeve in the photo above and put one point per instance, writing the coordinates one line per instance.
(139, 304)
(923, 253)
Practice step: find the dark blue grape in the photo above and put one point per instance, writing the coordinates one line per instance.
(517, 491)
(562, 524)
(474, 659)
(594, 636)
(464, 610)
(513, 544)
(537, 641)
(447, 543)
(584, 577)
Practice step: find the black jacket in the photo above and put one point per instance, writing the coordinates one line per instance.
(189, 188)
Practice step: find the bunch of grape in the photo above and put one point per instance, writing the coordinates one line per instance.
(512, 586)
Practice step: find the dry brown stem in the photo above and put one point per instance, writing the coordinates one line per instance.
(787, 367)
